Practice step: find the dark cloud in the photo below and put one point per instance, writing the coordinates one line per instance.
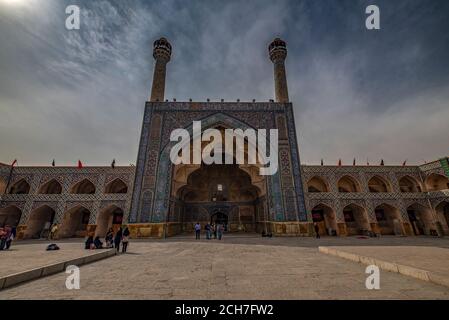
(357, 93)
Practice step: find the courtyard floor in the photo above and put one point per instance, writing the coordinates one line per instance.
(238, 267)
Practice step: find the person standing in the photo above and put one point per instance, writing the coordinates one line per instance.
(208, 234)
(197, 231)
(2, 238)
(125, 240)
(10, 235)
(213, 231)
(220, 228)
(53, 231)
(110, 238)
(89, 244)
(118, 239)
(317, 230)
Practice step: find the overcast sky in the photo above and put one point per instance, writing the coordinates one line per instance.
(73, 95)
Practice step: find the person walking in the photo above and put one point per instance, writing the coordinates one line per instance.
(118, 239)
(317, 230)
(125, 240)
(197, 231)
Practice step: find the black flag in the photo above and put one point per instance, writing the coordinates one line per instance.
(53, 163)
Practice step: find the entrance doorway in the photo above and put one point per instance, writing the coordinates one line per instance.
(418, 228)
(220, 218)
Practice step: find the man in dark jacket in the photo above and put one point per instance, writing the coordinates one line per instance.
(118, 239)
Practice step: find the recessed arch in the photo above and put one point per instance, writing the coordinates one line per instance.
(3, 183)
(420, 218)
(348, 184)
(39, 222)
(109, 217)
(116, 186)
(326, 219)
(378, 184)
(317, 184)
(84, 186)
(442, 212)
(388, 219)
(10, 216)
(50, 187)
(75, 222)
(356, 219)
(20, 187)
(409, 184)
(437, 182)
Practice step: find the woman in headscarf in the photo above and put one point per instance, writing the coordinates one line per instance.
(125, 239)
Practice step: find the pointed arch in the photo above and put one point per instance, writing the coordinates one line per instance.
(409, 184)
(20, 187)
(378, 184)
(442, 212)
(39, 222)
(326, 219)
(317, 184)
(356, 219)
(420, 218)
(437, 182)
(116, 186)
(3, 183)
(109, 217)
(75, 222)
(348, 184)
(50, 187)
(388, 219)
(10, 216)
(84, 186)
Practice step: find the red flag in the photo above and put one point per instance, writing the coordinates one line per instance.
(14, 163)
(382, 162)
(404, 163)
(353, 162)
(80, 165)
(339, 162)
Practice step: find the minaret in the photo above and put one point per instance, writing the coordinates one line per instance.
(278, 53)
(162, 54)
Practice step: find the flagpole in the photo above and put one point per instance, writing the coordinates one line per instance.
(10, 177)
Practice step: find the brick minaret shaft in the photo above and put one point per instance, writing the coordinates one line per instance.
(162, 54)
(278, 53)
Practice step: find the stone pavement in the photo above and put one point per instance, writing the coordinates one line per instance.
(22, 257)
(425, 262)
(223, 270)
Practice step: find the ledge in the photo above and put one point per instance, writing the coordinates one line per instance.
(405, 270)
(33, 274)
